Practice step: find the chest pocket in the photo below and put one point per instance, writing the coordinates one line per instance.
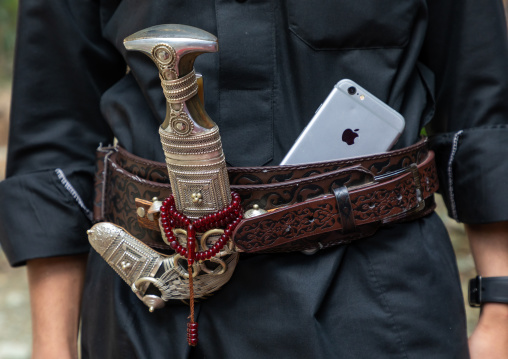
(349, 24)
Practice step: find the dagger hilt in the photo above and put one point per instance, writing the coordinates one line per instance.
(190, 139)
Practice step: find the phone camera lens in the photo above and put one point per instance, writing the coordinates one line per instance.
(351, 90)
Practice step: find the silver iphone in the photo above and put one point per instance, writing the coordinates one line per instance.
(351, 122)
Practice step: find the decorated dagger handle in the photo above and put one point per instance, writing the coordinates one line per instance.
(190, 139)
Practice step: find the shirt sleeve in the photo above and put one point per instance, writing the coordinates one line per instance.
(63, 65)
(467, 49)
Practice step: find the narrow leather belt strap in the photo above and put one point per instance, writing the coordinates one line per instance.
(302, 200)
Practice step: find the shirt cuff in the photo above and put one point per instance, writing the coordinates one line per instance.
(473, 171)
(43, 215)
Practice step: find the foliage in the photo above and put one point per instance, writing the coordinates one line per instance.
(8, 17)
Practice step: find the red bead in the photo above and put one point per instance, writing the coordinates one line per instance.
(173, 244)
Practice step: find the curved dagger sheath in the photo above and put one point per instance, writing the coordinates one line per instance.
(197, 172)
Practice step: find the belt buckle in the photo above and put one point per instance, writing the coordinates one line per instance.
(413, 168)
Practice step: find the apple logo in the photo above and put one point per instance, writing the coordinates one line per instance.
(349, 136)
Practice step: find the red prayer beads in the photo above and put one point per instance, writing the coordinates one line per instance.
(192, 334)
(228, 217)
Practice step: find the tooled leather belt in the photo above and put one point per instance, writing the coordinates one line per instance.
(309, 206)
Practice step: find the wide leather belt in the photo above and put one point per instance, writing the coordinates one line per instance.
(309, 206)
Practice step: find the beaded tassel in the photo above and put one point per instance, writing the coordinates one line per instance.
(192, 327)
(228, 217)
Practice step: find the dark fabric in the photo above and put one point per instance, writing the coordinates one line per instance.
(381, 297)
(39, 201)
(393, 295)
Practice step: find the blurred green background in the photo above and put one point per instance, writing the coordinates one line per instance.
(8, 13)
(15, 336)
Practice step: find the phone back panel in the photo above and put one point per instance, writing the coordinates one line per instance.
(347, 125)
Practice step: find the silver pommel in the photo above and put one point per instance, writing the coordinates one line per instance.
(190, 139)
(173, 48)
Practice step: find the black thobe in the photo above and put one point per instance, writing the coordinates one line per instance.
(441, 63)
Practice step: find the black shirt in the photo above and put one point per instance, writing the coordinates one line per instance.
(441, 63)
